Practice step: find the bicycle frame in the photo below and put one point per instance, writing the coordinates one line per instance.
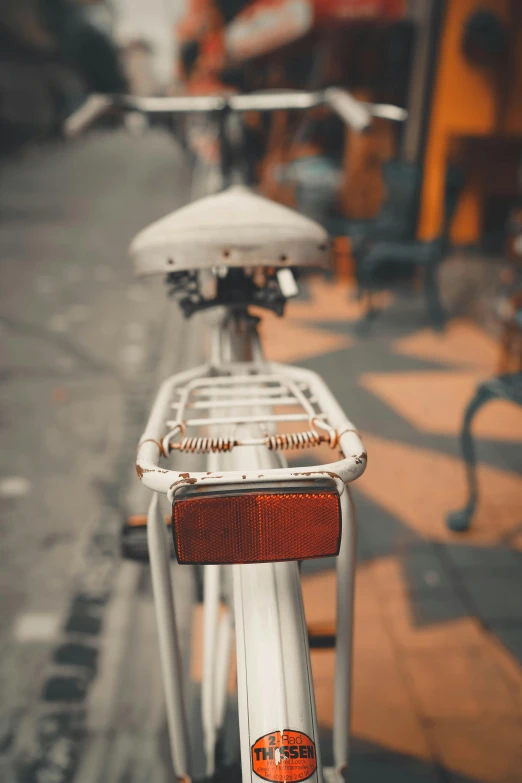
(274, 679)
(275, 689)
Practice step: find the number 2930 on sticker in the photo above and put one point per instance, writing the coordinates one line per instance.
(284, 757)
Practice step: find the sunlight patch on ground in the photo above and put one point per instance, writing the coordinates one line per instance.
(436, 402)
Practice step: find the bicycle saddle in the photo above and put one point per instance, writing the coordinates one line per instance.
(234, 228)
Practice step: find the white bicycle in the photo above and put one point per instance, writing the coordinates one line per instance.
(249, 518)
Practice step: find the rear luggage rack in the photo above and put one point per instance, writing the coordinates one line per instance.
(204, 411)
(243, 392)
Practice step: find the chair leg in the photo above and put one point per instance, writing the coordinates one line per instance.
(432, 294)
(363, 324)
(460, 520)
(506, 340)
(364, 277)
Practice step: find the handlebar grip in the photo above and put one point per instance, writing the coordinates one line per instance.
(95, 106)
(387, 111)
(354, 113)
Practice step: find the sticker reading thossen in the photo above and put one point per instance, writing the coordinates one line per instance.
(284, 756)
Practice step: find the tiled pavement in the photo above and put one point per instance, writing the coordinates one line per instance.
(438, 637)
(438, 632)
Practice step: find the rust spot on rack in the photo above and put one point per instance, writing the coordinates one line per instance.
(318, 473)
(140, 471)
(360, 458)
(183, 481)
(243, 476)
(185, 475)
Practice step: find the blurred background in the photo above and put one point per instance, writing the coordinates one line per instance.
(417, 328)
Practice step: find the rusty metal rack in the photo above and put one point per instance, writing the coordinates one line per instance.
(214, 410)
(227, 401)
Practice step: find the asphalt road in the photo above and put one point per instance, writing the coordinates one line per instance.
(83, 344)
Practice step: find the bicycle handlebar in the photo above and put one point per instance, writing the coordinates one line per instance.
(357, 114)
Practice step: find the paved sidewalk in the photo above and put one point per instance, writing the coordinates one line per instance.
(438, 633)
(438, 637)
(83, 345)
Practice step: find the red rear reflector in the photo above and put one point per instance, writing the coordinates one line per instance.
(256, 527)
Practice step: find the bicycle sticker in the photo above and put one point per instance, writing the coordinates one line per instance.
(284, 757)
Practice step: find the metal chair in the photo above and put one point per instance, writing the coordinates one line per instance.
(390, 238)
(506, 386)
(503, 387)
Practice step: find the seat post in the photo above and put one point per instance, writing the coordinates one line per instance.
(225, 151)
(238, 338)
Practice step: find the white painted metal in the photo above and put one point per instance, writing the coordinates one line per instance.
(239, 402)
(208, 686)
(217, 641)
(232, 377)
(237, 392)
(275, 686)
(171, 665)
(234, 228)
(223, 659)
(275, 690)
(344, 627)
(347, 469)
(244, 419)
(211, 600)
